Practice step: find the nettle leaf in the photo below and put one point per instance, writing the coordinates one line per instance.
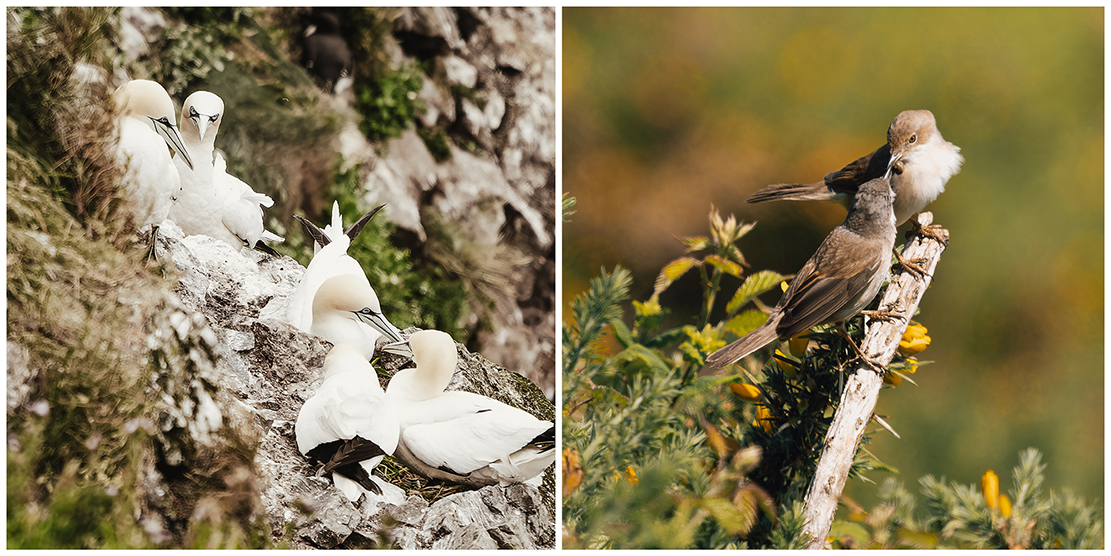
(753, 286)
(651, 359)
(745, 322)
(725, 265)
(621, 333)
(695, 243)
(672, 271)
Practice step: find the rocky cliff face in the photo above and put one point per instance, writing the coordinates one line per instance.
(491, 79)
(269, 368)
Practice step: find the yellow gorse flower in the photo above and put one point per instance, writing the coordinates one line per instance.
(631, 475)
(786, 365)
(763, 418)
(1004, 505)
(572, 471)
(914, 340)
(746, 392)
(892, 379)
(989, 483)
(797, 345)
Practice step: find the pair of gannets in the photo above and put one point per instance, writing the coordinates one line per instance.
(334, 299)
(213, 202)
(456, 436)
(146, 126)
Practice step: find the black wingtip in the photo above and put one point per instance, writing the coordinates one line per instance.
(312, 231)
(357, 228)
(260, 246)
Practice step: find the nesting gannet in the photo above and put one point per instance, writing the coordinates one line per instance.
(462, 436)
(213, 202)
(345, 309)
(347, 424)
(146, 123)
(330, 259)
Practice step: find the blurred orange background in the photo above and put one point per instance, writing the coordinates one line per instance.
(667, 111)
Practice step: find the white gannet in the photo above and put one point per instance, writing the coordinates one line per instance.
(347, 424)
(213, 202)
(462, 436)
(345, 309)
(330, 259)
(146, 122)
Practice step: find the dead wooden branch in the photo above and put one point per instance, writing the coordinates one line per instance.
(859, 397)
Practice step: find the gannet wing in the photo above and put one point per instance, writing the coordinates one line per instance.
(482, 434)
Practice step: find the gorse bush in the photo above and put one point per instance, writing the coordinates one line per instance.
(658, 456)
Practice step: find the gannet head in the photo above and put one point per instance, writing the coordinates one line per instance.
(149, 101)
(202, 112)
(352, 298)
(436, 357)
(345, 358)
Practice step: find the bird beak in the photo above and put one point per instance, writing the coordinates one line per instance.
(379, 323)
(202, 125)
(895, 157)
(173, 139)
(399, 348)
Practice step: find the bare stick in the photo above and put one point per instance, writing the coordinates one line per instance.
(858, 401)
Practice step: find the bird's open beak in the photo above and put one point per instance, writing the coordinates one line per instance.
(173, 139)
(399, 348)
(895, 158)
(379, 323)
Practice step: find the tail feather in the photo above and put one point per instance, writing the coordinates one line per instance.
(741, 348)
(793, 192)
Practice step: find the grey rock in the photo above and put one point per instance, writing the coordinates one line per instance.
(270, 368)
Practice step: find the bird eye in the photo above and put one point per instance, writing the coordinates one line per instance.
(366, 311)
(193, 112)
(213, 118)
(164, 120)
(914, 138)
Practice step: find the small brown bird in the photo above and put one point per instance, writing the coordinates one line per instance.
(842, 277)
(921, 163)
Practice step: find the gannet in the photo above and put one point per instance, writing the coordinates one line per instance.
(462, 436)
(330, 260)
(151, 182)
(213, 202)
(345, 309)
(347, 424)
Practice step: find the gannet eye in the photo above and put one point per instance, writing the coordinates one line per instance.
(193, 112)
(164, 121)
(214, 118)
(366, 311)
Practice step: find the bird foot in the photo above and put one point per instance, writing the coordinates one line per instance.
(883, 315)
(932, 231)
(911, 265)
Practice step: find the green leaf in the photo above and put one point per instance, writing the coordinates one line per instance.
(695, 243)
(725, 265)
(672, 271)
(621, 333)
(666, 338)
(637, 352)
(753, 286)
(728, 516)
(745, 322)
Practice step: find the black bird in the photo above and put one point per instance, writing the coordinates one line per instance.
(326, 54)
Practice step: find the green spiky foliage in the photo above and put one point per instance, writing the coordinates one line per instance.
(725, 469)
(114, 439)
(958, 516)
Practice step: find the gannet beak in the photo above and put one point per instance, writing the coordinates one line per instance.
(399, 348)
(379, 323)
(169, 132)
(202, 125)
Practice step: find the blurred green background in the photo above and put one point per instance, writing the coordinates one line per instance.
(667, 111)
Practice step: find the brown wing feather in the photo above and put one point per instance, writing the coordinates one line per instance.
(832, 278)
(860, 171)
